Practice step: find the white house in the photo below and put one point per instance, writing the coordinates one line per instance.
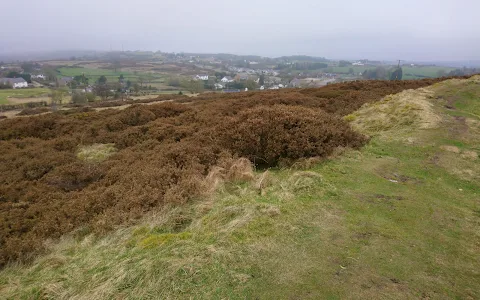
(218, 86)
(358, 63)
(202, 77)
(16, 83)
(226, 79)
(39, 76)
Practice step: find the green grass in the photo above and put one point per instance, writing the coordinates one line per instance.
(421, 72)
(394, 220)
(21, 93)
(111, 75)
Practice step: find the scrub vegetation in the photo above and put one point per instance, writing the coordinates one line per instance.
(252, 195)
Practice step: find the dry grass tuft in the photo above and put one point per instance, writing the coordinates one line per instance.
(263, 181)
(96, 152)
(240, 170)
(469, 155)
(453, 149)
(410, 108)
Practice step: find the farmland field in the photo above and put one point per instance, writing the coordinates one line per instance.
(422, 72)
(111, 75)
(22, 93)
(416, 72)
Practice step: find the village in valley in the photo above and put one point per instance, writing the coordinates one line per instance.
(139, 75)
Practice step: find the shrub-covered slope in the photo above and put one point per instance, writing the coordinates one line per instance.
(151, 155)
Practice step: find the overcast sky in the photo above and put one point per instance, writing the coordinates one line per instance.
(351, 29)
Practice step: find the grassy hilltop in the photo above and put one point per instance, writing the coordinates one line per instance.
(359, 190)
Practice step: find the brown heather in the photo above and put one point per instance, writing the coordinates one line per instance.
(163, 153)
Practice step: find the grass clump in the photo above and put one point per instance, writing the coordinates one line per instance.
(96, 152)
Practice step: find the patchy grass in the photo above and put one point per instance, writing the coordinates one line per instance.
(21, 93)
(390, 221)
(96, 152)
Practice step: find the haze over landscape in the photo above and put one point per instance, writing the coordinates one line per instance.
(383, 30)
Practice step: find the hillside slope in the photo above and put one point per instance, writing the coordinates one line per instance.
(398, 219)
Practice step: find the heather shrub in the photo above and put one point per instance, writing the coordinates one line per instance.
(269, 135)
(164, 153)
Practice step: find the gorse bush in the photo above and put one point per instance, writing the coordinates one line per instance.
(161, 154)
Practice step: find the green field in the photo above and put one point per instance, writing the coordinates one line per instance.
(416, 72)
(398, 219)
(112, 76)
(421, 72)
(22, 93)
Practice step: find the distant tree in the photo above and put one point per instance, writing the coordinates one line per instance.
(73, 85)
(142, 80)
(174, 81)
(27, 77)
(121, 78)
(261, 80)
(351, 71)
(220, 75)
(90, 97)
(251, 85)
(5, 85)
(180, 93)
(102, 79)
(397, 74)
(193, 86)
(441, 73)
(28, 67)
(81, 79)
(344, 63)
(103, 91)
(78, 98)
(51, 74)
(377, 73)
(136, 88)
(13, 74)
(57, 97)
(129, 84)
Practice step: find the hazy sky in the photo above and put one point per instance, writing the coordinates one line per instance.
(374, 29)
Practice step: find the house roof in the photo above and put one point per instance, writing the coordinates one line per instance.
(12, 80)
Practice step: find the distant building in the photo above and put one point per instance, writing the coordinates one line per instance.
(241, 77)
(16, 83)
(202, 77)
(226, 79)
(64, 81)
(358, 63)
(295, 82)
(218, 86)
(39, 76)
